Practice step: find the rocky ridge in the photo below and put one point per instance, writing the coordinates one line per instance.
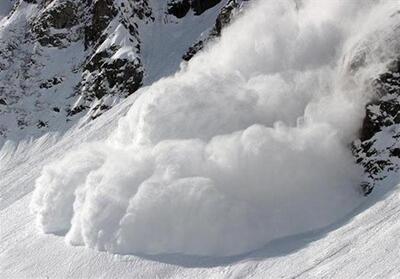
(378, 149)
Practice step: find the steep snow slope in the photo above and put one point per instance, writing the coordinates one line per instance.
(162, 54)
(196, 167)
(362, 245)
(5, 7)
(361, 240)
(61, 61)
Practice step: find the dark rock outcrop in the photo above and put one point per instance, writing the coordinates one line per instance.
(55, 25)
(200, 6)
(224, 18)
(379, 145)
(105, 77)
(180, 8)
(102, 12)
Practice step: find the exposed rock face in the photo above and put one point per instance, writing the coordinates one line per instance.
(378, 149)
(102, 13)
(385, 111)
(57, 25)
(106, 75)
(180, 8)
(225, 17)
(104, 78)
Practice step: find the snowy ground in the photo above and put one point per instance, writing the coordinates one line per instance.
(363, 245)
(5, 7)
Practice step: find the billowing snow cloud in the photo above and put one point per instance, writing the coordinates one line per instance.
(247, 143)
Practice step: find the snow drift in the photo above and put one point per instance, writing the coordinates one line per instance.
(247, 143)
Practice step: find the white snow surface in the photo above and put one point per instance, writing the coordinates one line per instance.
(363, 244)
(165, 40)
(35, 99)
(5, 7)
(236, 149)
(212, 162)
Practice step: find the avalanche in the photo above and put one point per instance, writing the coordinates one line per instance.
(247, 143)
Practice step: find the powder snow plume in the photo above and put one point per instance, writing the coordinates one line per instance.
(247, 143)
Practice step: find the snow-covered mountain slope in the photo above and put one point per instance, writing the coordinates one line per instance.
(363, 244)
(5, 7)
(241, 164)
(62, 61)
